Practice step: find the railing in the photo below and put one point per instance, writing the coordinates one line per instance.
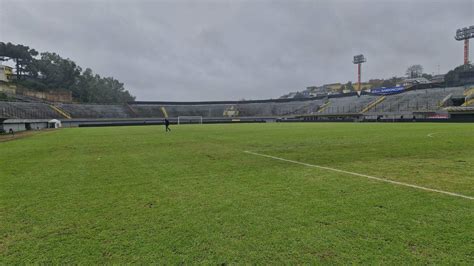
(60, 111)
(373, 104)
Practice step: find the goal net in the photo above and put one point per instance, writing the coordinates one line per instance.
(189, 120)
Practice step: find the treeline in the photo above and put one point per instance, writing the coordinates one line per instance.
(461, 75)
(49, 71)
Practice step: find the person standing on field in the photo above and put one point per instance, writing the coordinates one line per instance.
(167, 125)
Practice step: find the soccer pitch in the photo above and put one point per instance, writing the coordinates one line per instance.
(303, 193)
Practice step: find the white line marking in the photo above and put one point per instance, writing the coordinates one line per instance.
(431, 134)
(362, 175)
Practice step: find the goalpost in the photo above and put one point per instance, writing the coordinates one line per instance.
(189, 120)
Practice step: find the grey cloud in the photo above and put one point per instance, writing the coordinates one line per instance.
(216, 50)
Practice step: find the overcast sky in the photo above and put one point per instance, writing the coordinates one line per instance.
(230, 50)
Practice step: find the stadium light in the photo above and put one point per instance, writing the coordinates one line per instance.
(358, 60)
(465, 34)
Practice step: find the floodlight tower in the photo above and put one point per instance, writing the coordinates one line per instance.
(465, 34)
(358, 59)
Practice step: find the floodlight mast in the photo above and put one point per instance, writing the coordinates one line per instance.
(465, 34)
(358, 60)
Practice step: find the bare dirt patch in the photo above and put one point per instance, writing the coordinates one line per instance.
(23, 134)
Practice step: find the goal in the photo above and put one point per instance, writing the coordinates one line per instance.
(189, 120)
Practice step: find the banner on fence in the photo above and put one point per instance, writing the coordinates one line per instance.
(387, 91)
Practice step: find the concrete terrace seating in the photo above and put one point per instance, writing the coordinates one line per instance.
(279, 109)
(414, 101)
(154, 110)
(96, 110)
(217, 110)
(350, 104)
(147, 110)
(24, 110)
(405, 103)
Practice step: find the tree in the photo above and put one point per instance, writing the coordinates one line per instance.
(51, 72)
(93, 88)
(56, 72)
(414, 71)
(452, 77)
(349, 86)
(23, 57)
(3, 96)
(392, 82)
(427, 76)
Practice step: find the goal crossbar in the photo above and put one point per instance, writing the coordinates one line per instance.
(189, 119)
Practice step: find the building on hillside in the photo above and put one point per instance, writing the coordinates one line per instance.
(290, 95)
(315, 91)
(6, 73)
(363, 86)
(437, 79)
(414, 81)
(376, 82)
(305, 94)
(333, 87)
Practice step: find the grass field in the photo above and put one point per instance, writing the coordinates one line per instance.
(137, 194)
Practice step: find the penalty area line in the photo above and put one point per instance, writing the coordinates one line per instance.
(363, 175)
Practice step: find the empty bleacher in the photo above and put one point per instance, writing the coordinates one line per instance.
(26, 110)
(96, 110)
(469, 96)
(279, 109)
(406, 103)
(218, 109)
(426, 100)
(350, 104)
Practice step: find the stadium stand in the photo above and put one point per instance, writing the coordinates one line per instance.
(27, 110)
(469, 96)
(414, 101)
(373, 104)
(96, 110)
(147, 110)
(219, 109)
(61, 111)
(350, 105)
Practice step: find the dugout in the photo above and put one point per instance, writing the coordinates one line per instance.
(18, 125)
(54, 123)
(461, 113)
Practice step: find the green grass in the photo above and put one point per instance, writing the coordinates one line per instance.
(137, 194)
